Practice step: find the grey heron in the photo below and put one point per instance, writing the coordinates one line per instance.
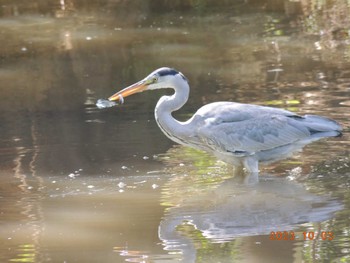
(238, 134)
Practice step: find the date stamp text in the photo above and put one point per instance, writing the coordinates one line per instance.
(311, 235)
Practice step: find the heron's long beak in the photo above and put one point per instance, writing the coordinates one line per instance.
(135, 88)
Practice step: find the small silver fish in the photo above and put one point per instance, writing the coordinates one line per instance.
(103, 103)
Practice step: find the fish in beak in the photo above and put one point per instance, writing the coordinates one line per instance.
(135, 88)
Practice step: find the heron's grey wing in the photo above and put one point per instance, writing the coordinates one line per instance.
(247, 129)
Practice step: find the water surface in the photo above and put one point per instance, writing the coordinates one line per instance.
(79, 184)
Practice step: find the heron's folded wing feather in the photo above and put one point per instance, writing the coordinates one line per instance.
(252, 135)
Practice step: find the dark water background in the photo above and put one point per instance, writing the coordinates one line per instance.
(78, 184)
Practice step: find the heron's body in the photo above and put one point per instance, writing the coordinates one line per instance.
(239, 134)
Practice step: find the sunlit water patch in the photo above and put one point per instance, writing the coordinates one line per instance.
(72, 212)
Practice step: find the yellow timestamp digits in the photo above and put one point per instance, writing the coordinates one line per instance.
(311, 235)
(325, 235)
(282, 235)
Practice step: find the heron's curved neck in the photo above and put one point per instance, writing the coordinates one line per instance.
(173, 128)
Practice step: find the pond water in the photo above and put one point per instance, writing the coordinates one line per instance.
(82, 184)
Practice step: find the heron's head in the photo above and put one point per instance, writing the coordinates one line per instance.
(158, 79)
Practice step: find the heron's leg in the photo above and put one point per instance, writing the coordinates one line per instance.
(251, 178)
(251, 166)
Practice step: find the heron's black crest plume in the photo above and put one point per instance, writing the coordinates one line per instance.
(170, 71)
(167, 71)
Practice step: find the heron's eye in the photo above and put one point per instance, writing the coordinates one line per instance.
(154, 79)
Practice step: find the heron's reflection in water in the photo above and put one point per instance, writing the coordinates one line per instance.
(230, 209)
